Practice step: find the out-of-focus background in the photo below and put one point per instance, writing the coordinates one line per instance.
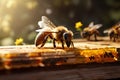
(19, 18)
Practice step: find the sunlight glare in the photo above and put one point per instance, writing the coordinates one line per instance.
(10, 3)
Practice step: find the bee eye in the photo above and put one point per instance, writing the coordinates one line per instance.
(65, 35)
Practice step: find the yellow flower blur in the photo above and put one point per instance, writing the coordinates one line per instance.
(19, 41)
(78, 25)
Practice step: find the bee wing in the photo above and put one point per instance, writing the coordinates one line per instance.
(107, 30)
(91, 24)
(97, 26)
(45, 22)
(38, 30)
(51, 24)
(46, 30)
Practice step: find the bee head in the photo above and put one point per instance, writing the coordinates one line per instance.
(84, 34)
(67, 36)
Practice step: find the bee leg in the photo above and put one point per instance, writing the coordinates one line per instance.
(62, 44)
(72, 44)
(95, 37)
(44, 41)
(110, 37)
(54, 43)
(114, 38)
(88, 37)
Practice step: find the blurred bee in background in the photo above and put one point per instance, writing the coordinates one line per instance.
(114, 32)
(49, 30)
(91, 30)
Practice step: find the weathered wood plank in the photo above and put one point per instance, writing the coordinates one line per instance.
(29, 55)
(89, 71)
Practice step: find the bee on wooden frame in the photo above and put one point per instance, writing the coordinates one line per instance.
(57, 34)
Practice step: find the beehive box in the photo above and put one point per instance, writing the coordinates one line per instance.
(30, 56)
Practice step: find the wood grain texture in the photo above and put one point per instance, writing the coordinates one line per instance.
(88, 71)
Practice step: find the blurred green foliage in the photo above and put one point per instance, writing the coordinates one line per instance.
(18, 18)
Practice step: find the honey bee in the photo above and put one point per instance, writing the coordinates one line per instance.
(57, 34)
(91, 30)
(114, 32)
